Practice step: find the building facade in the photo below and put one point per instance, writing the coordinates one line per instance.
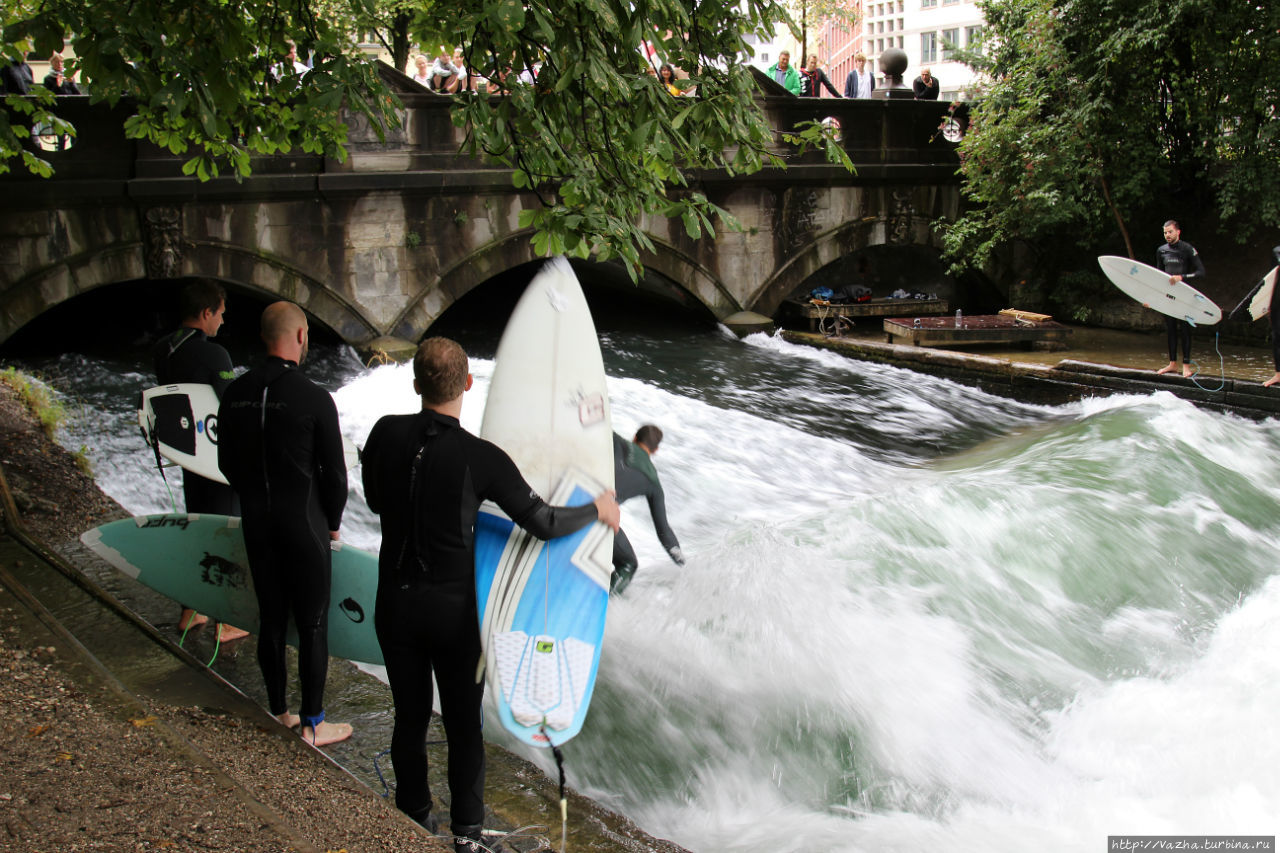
(929, 31)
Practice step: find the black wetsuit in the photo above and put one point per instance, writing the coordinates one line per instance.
(426, 477)
(1272, 317)
(188, 355)
(1180, 258)
(634, 475)
(280, 448)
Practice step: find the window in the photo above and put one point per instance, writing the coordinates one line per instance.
(950, 41)
(928, 47)
(928, 4)
(901, 5)
(891, 25)
(764, 57)
(901, 42)
(973, 38)
(880, 44)
(871, 29)
(880, 27)
(900, 26)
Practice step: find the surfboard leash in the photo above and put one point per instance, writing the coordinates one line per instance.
(1222, 370)
(217, 645)
(564, 801)
(386, 789)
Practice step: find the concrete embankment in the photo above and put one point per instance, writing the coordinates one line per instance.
(1065, 379)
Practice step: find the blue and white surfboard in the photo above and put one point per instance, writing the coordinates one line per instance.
(542, 605)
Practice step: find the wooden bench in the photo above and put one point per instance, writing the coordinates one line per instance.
(870, 308)
(1002, 328)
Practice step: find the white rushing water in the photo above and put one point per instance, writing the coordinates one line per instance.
(1063, 627)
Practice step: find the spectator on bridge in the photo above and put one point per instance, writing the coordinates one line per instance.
(444, 74)
(860, 83)
(925, 86)
(785, 74)
(58, 83)
(667, 76)
(466, 80)
(291, 64)
(422, 74)
(507, 77)
(812, 77)
(15, 78)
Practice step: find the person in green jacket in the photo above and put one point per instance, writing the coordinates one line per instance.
(786, 75)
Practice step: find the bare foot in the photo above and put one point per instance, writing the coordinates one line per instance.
(326, 733)
(1172, 366)
(227, 633)
(289, 721)
(1272, 381)
(1187, 372)
(191, 619)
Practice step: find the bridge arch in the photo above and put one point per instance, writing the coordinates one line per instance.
(30, 297)
(834, 244)
(516, 250)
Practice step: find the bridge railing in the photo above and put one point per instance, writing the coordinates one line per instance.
(872, 132)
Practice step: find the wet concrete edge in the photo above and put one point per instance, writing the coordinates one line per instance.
(1068, 380)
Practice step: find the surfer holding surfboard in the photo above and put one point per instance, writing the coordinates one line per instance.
(1182, 262)
(1274, 310)
(426, 477)
(188, 355)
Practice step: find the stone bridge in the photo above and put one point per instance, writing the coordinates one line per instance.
(382, 244)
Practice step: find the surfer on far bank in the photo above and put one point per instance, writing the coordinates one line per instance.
(634, 475)
(426, 477)
(1182, 262)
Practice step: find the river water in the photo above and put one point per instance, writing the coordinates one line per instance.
(914, 616)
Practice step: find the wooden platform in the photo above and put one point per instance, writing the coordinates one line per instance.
(975, 329)
(870, 308)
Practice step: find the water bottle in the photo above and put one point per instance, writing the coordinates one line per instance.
(959, 323)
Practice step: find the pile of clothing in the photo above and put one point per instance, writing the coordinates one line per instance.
(842, 295)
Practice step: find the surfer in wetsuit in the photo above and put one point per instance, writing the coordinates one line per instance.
(634, 475)
(1274, 319)
(426, 477)
(1181, 261)
(281, 450)
(188, 355)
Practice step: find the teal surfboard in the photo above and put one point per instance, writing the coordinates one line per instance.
(200, 560)
(542, 604)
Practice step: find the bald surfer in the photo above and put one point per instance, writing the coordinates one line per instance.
(635, 475)
(280, 449)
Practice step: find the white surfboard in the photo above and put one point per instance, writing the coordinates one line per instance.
(542, 604)
(1260, 305)
(1152, 288)
(181, 422)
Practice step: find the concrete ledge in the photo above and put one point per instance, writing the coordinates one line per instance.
(1068, 380)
